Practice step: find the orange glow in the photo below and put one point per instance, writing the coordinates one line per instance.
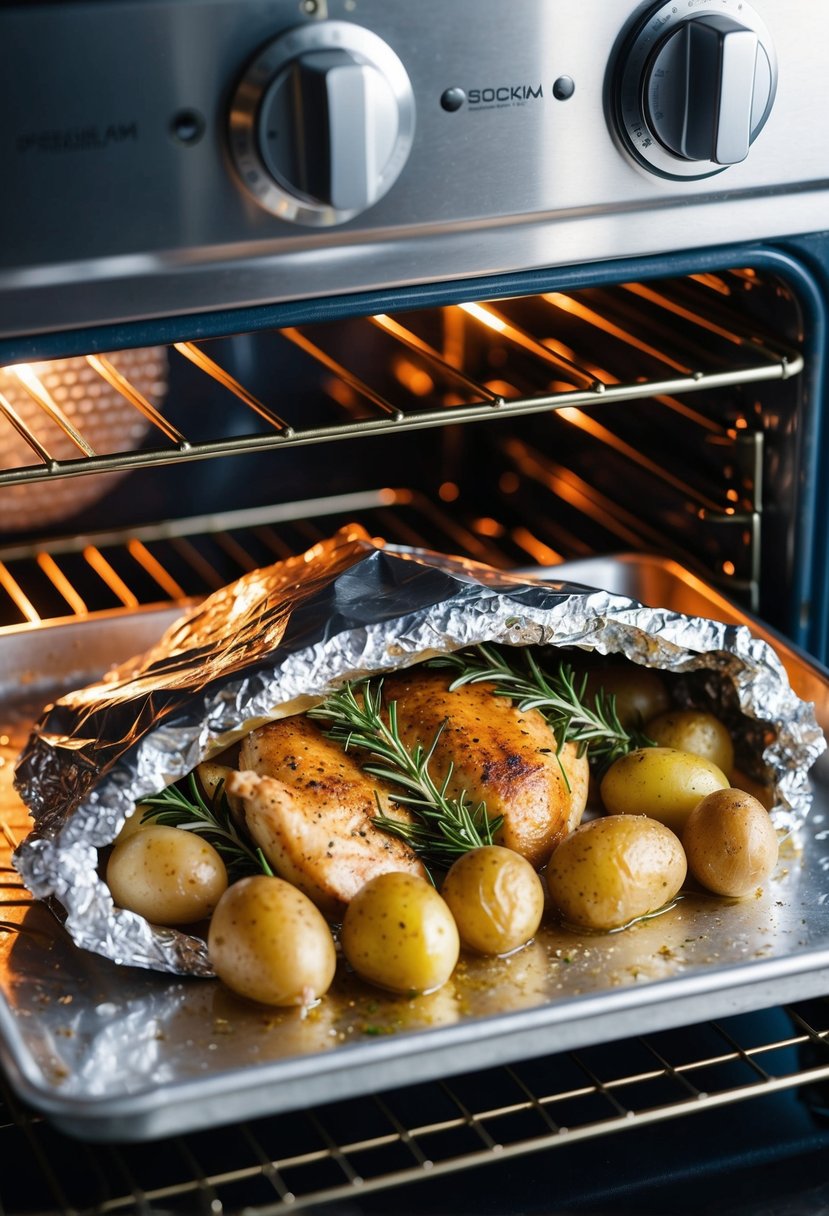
(486, 526)
(413, 378)
(341, 393)
(485, 317)
(59, 580)
(105, 572)
(449, 491)
(728, 568)
(537, 550)
(37, 390)
(687, 314)
(155, 569)
(16, 593)
(577, 309)
(509, 482)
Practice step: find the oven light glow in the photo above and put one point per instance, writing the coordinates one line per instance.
(485, 317)
(415, 379)
(538, 551)
(36, 389)
(728, 567)
(487, 526)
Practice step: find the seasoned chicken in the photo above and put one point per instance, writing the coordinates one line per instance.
(309, 807)
(499, 755)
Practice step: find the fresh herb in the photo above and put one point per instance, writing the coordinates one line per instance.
(184, 806)
(445, 827)
(573, 717)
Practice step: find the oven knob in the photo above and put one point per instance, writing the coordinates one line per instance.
(695, 87)
(322, 122)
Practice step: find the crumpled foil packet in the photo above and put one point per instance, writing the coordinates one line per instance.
(278, 640)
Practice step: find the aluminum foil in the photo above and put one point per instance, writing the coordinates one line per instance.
(279, 639)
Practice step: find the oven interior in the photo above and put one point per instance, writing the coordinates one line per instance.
(671, 417)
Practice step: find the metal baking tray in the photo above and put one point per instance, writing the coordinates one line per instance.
(115, 1053)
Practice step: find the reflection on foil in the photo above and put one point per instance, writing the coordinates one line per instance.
(278, 640)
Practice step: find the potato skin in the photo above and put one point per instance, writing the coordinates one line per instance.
(661, 782)
(610, 871)
(496, 898)
(730, 843)
(640, 692)
(269, 943)
(168, 876)
(398, 933)
(695, 731)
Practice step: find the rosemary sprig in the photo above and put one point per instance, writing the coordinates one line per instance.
(444, 826)
(184, 806)
(592, 723)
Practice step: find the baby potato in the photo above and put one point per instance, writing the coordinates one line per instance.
(135, 823)
(496, 898)
(730, 843)
(398, 933)
(168, 876)
(640, 692)
(661, 782)
(269, 943)
(695, 731)
(610, 871)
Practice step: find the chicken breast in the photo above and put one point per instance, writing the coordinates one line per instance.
(309, 807)
(499, 755)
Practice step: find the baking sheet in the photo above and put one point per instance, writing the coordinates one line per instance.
(114, 1053)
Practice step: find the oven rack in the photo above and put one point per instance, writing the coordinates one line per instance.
(128, 568)
(391, 374)
(418, 1137)
(181, 560)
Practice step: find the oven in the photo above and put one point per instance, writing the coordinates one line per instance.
(542, 285)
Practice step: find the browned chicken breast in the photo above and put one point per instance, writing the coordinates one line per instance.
(309, 807)
(500, 755)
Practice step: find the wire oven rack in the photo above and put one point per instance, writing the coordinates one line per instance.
(418, 1137)
(70, 428)
(408, 374)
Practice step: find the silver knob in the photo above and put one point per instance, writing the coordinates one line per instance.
(322, 123)
(696, 87)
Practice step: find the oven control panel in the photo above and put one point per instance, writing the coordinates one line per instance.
(166, 157)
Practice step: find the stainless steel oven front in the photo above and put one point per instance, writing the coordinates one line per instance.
(542, 284)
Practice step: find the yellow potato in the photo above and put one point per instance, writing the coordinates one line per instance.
(496, 898)
(211, 775)
(640, 692)
(611, 871)
(135, 823)
(695, 731)
(660, 782)
(398, 933)
(730, 843)
(269, 943)
(169, 876)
